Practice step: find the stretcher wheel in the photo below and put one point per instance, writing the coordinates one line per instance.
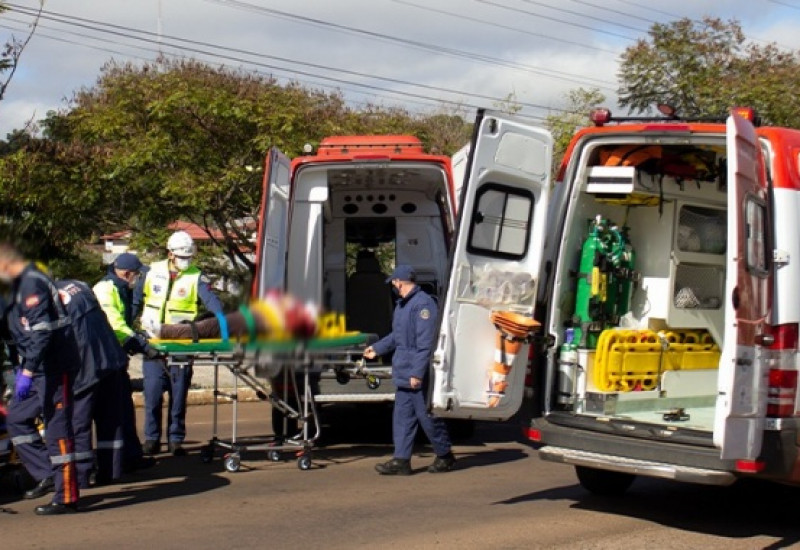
(304, 462)
(274, 456)
(206, 454)
(232, 463)
(373, 382)
(343, 377)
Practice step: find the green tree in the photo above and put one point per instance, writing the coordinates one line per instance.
(703, 68)
(574, 116)
(12, 51)
(166, 140)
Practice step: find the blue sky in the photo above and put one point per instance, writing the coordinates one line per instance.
(424, 55)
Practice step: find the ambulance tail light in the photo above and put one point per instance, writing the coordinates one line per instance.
(783, 374)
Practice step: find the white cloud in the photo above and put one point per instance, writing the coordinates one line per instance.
(67, 53)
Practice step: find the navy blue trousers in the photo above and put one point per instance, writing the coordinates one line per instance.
(51, 397)
(176, 383)
(409, 413)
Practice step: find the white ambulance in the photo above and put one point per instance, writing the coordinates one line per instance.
(663, 269)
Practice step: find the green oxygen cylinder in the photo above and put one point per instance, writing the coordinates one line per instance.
(588, 288)
(615, 252)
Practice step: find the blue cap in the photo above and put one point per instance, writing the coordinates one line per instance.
(128, 262)
(402, 272)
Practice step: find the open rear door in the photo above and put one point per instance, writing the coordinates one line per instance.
(495, 268)
(273, 225)
(742, 385)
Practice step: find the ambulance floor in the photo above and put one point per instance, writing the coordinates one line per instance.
(697, 418)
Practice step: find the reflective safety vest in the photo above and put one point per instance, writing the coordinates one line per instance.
(111, 303)
(170, 300)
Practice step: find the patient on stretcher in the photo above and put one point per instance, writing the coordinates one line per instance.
(278, 316)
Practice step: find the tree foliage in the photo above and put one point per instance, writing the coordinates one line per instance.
(574, 116)
(175, 139)
(705, 67)
(12, 51)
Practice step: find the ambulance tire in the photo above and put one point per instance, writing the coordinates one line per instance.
(604, 482)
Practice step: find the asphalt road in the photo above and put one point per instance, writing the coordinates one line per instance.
(501, 496)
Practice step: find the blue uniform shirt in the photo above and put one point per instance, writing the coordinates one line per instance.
(412, 337)
(40, 326)
(98, 345)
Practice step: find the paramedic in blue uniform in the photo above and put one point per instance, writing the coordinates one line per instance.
(173, 291)
(49, 359)
(412, 337)
(115, 294)
(96, 388)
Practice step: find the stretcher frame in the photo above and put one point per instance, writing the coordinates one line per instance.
(295, 361)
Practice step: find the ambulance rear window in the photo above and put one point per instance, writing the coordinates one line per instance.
(500, 222)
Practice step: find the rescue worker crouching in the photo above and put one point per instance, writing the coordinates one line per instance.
(412, 337)
(172, 292)
(49, 357)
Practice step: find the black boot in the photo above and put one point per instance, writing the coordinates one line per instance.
(42, 488)
(442, 464)
(55, 508)
(394, 467)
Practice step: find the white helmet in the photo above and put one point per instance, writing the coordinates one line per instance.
(181, 243)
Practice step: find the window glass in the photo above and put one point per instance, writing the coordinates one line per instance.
(500, 222)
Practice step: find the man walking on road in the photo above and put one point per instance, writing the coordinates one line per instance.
(412, 337)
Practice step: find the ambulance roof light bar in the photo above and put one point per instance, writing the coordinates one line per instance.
(602, 116)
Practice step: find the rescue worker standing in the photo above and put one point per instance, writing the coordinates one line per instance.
(412, 337)
(49, 360)
(115, 295)
(172, 291)
(96, 386)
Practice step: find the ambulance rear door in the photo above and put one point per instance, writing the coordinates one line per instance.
(743, 373)
(273, 225)
(494, 266)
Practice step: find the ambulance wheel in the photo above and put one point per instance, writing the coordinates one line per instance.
(232, 463)
(304, 462)
(274, 456)
(604, 482)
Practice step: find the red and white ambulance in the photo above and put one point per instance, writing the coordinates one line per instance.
(333, 225)
(663, 269)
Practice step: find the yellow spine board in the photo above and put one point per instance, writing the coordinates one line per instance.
(628, 360)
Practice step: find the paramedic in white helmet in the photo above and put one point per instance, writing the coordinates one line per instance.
(172, 292)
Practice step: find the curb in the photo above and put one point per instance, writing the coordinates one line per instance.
(205, 396)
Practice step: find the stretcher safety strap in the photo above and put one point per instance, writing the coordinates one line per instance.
(249, 321)
(223, 325)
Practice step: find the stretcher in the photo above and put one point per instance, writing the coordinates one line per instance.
(295, 361)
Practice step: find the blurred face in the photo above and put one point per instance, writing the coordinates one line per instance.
(402, 287)
(128, 275)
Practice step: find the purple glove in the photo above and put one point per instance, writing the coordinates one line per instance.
(22, 385)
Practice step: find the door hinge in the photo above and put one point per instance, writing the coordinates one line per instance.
(780, 258)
